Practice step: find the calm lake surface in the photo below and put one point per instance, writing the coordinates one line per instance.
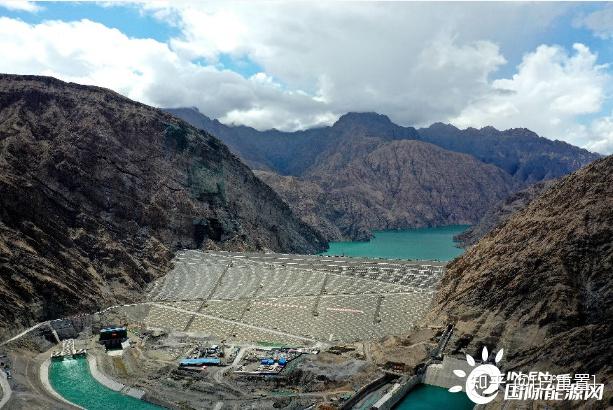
(422, 243)
(426, 397)
(72, 379)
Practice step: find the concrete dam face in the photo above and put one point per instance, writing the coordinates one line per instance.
(293, 299)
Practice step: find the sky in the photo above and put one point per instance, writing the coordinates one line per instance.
(296, 65)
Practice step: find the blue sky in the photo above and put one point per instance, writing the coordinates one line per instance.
(544, 66)
(128, 19)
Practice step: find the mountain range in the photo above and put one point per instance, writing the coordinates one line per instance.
(366, 173)
(98, 191)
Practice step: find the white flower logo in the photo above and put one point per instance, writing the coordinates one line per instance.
(482, 381)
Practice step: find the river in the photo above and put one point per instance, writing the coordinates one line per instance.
(426, 397)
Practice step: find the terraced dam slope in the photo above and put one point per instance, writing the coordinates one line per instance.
(293, 299)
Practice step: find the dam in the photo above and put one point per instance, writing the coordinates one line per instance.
(292, 299)
(242, 299)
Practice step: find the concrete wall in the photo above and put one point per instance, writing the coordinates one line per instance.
(110, 383)
(396, 394)
(370, 387)
(441, 374)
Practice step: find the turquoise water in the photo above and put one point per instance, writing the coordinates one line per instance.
(72, 379)
(426, 397)
(422, 243)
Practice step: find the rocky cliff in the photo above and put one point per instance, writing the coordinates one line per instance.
(540, 285)
(97, 191)
(309, 202)
(500, 212)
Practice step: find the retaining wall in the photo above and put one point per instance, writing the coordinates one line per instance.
(441, 374)
(110, 383)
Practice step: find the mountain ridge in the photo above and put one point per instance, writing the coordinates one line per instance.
(97, 192)
(322, 155)
(451, 139)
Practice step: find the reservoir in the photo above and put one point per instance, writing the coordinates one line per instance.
(421, 243)
(72, 379)
(426, 397)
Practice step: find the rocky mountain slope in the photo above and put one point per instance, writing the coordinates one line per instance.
(540, 285)
(401, 184)
(500, 212)
(313, 167)
(309, 202)
(97, 191)
(275, 151)
(519, 151)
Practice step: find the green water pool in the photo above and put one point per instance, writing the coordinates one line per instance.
(72, 379)
(426, 397)
(422, 243)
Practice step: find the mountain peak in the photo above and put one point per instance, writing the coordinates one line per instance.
(522, 132)
(490, 129)
(363, 118)
(442, 126)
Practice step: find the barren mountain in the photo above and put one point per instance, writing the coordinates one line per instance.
(310, 203)
(97, 191)
(540, 285)
(316, 177)
(400, 184)
(519, 151)
(501, 212)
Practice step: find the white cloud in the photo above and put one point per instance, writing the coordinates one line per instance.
(596, 136)
(416, 62)
(550, 92)
(600, 22)
(20, 5)
(149, 71)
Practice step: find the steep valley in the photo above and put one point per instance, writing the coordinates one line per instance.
(500, 212)
(402, 184)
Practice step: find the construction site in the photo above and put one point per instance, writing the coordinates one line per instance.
(247, 330)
